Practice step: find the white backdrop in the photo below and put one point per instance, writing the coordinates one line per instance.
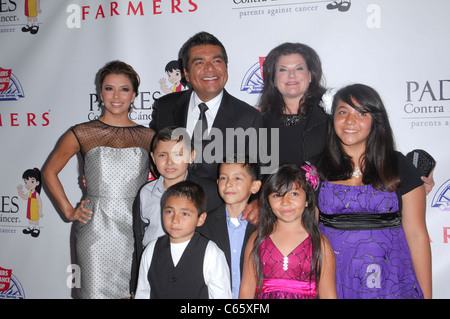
(400, 48)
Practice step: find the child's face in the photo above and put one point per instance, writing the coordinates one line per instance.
(174, 76)
(289, 207)
(31, 183)
(235, 183)
(180, 218)
(172, 159)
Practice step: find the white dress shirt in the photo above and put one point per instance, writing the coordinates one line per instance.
(194, 111)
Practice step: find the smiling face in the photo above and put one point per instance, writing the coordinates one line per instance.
(208, 72)
(174, 76)
(117, 94)
(31, 183)
(235, 184)
(180, 218)
(292, 77)
(289, 206)
(352, 127)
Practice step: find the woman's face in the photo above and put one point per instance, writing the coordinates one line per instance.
(292, 76)
(117, 94)
(351, 126)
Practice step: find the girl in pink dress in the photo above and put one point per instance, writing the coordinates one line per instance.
(288, 257)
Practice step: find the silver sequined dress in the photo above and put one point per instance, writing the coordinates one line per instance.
(116, 164)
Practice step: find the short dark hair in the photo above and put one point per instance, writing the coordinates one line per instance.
(187, 189)
(252, 166)
(201, 38)
(172, 133)
(117, 67)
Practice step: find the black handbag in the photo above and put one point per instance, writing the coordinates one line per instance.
(423, 161)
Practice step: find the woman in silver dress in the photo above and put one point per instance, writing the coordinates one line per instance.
(116, 163)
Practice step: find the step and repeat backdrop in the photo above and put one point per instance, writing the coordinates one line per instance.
(48, 63)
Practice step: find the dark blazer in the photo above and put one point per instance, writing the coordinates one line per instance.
(172, 110)
(215, 228)
(213, 200)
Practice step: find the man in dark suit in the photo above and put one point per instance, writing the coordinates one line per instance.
(230, 123)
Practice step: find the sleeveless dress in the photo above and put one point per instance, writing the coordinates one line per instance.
(286, 277)
(116, 164)
(370, 263)
(33, 206)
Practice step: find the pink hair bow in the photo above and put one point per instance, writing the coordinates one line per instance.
(311, 175)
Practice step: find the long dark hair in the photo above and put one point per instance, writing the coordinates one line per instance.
(380, 161)
(285, 179)
(271, 101)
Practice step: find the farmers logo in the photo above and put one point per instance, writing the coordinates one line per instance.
(10, 87)
(10, 286)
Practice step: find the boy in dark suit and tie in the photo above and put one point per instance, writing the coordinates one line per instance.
(238, 180)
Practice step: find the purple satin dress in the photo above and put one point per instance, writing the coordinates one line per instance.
(286, 277)
(369, 263)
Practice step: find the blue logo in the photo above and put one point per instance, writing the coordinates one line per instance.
(442, 197)
(253, 80)
(10, 286)
(10, 88)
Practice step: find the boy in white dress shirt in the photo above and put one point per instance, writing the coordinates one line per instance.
(186, 264)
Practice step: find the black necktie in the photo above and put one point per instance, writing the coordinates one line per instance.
(197, 136)
(201, 120)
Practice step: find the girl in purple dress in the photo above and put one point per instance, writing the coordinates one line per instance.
(372, 204)
(288, 258)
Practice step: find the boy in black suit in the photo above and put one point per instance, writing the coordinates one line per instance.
(238, 180)
(183, 264)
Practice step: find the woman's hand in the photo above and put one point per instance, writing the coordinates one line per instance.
(80, 213)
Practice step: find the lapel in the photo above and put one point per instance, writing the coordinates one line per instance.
(225, 114)
(180, 112)
(248, 232)
(222, 231)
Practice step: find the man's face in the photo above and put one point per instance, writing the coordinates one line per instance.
(208, 72)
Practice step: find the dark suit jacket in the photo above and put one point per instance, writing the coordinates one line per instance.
(213, 200)
(215, 228)
(172, 110)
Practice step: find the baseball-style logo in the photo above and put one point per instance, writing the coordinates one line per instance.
(252, 82)
(5, 77)
(5, 279)
(10, 87)
(441, 199)
(10, 286)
